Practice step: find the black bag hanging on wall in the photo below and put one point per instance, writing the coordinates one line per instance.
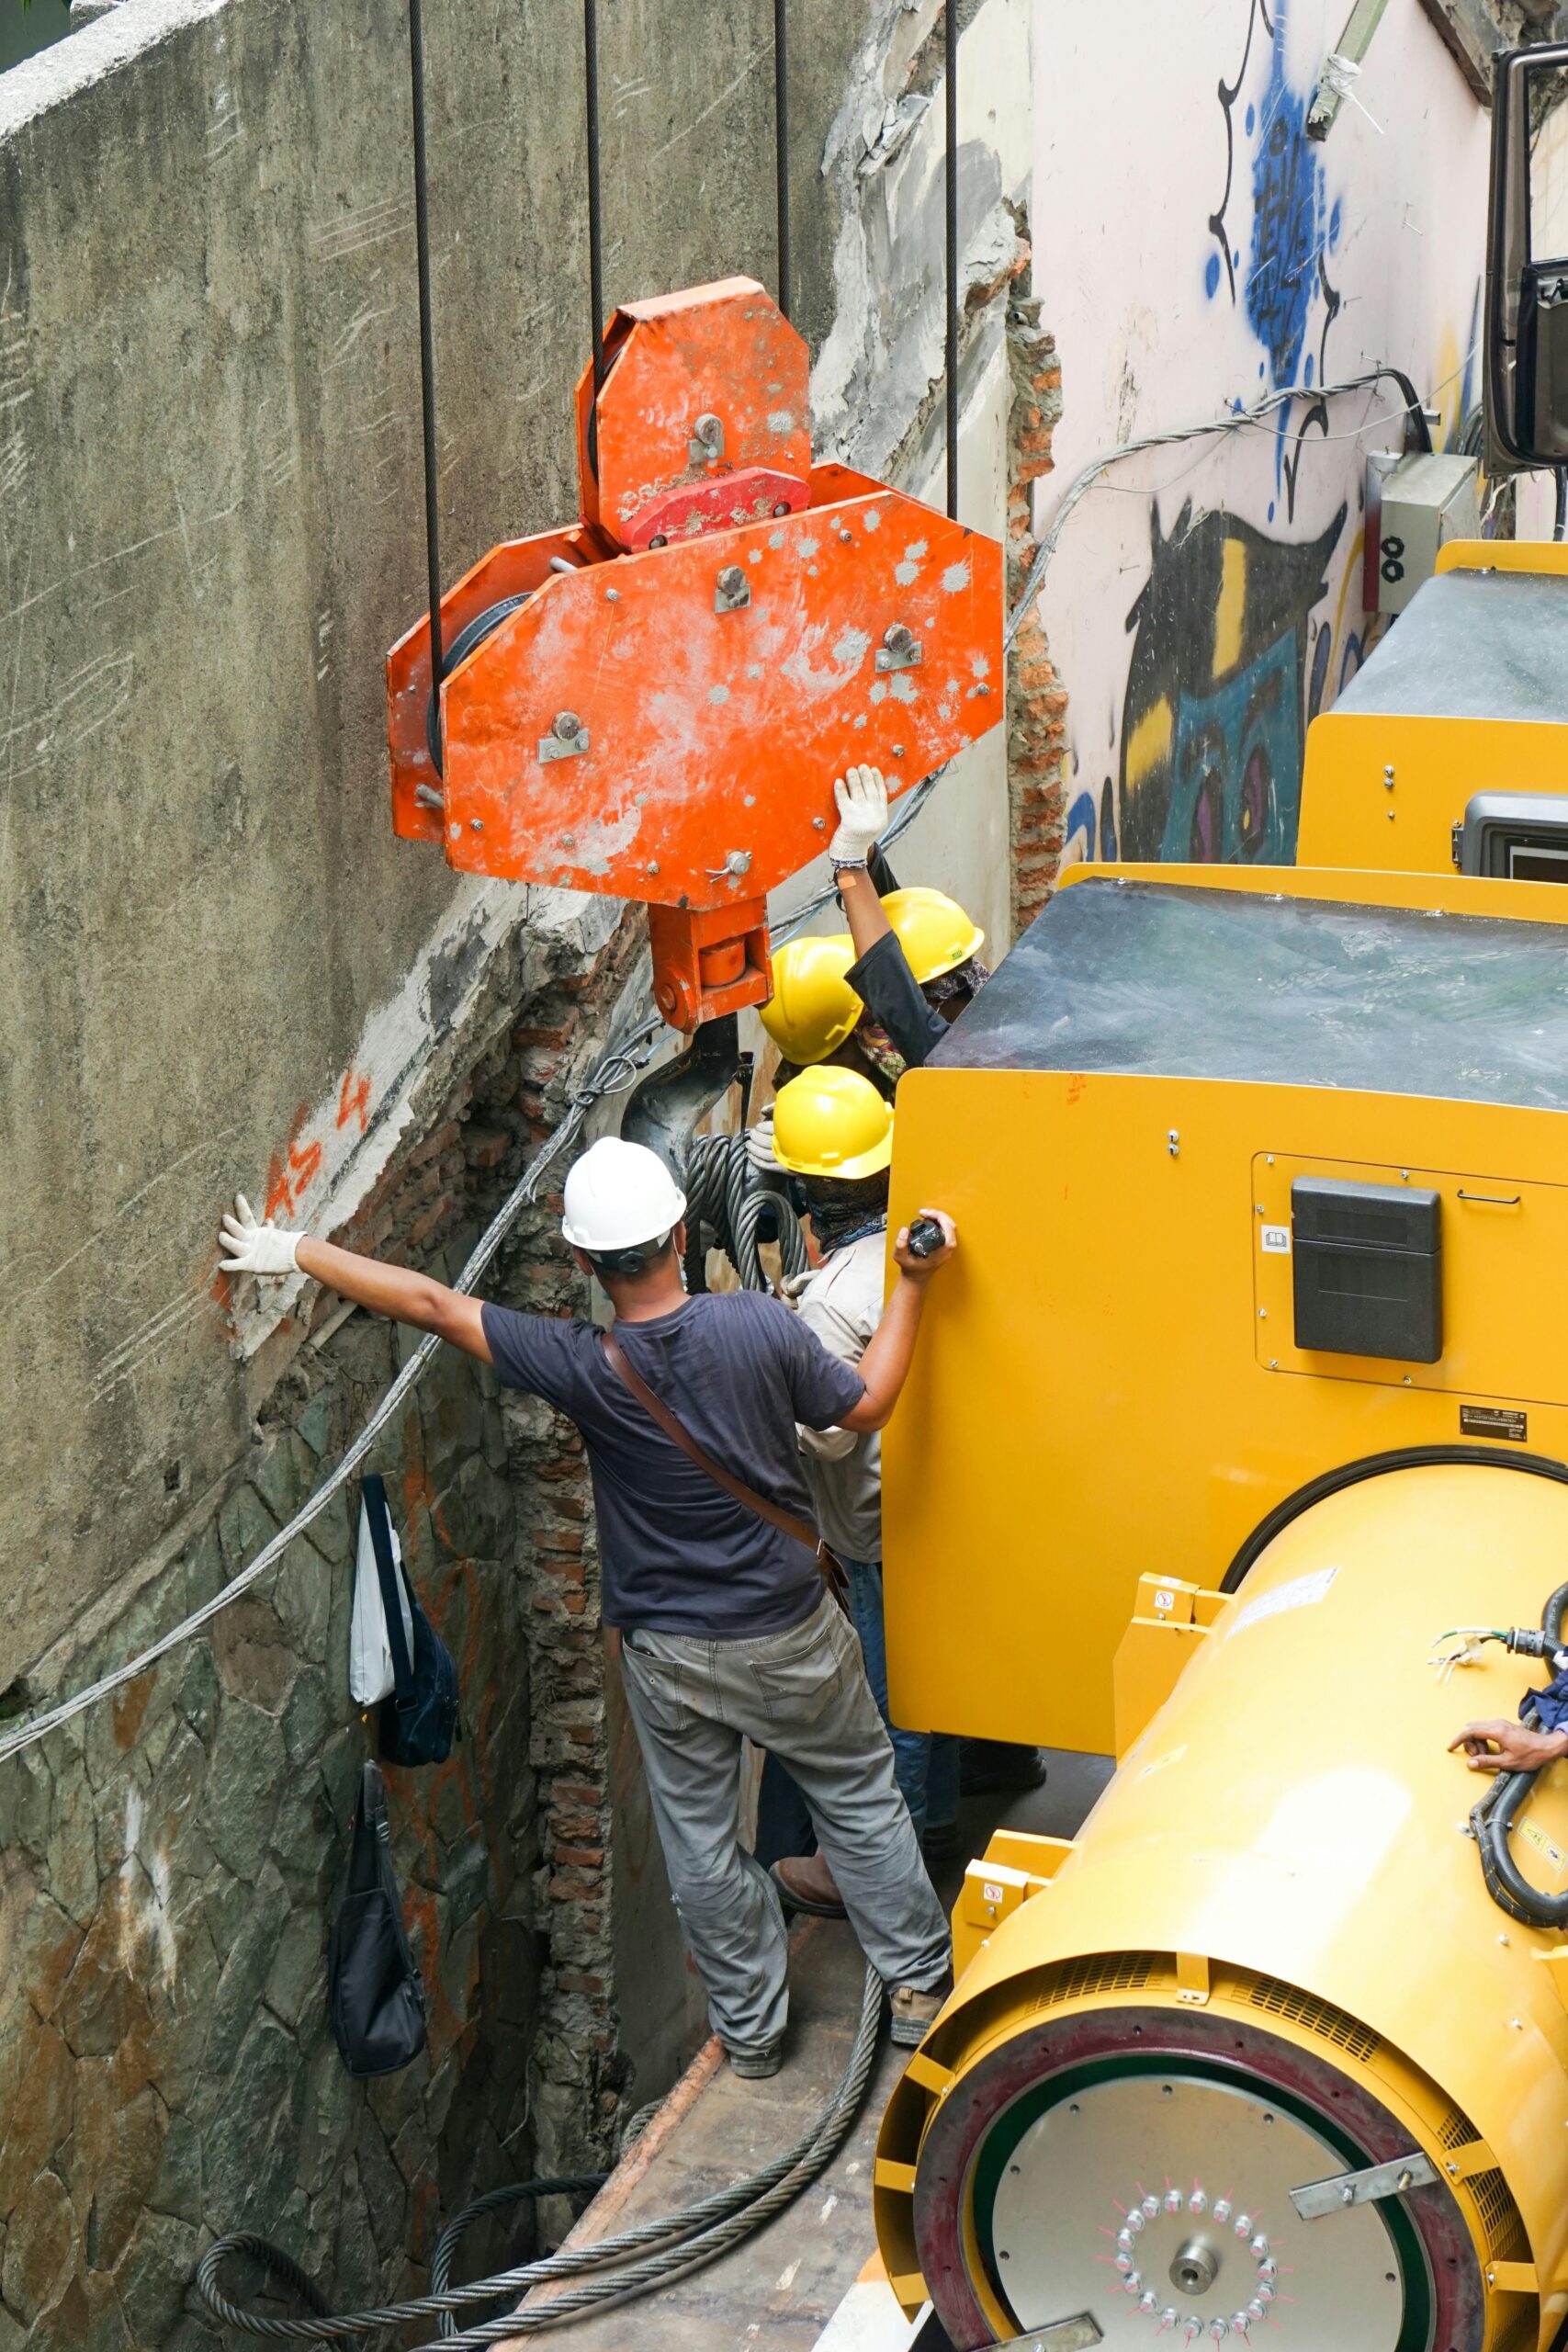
(418, 1721)
(375, 1994)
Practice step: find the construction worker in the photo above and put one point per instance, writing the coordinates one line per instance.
(726, 1628)
(813, 1014)
(917, 953)
(833, 1131)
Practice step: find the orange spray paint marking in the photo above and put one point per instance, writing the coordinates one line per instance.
(354, 1101)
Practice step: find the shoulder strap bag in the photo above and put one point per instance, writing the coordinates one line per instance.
(375, 1994)
(829, 1566)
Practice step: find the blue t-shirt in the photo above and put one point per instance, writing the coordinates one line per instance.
(677, 1554)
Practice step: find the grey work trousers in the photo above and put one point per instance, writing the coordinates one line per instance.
(803, 1695)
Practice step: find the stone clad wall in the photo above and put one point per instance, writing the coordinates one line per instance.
(172, 1859)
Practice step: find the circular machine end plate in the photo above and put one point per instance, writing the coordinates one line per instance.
(1158, 2205)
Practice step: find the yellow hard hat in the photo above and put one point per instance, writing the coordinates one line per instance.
(813, 1007)
(934, 930)
(832, 1122)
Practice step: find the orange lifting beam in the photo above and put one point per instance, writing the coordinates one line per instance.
(726, 628)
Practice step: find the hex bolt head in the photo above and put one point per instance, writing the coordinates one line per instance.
(732, 579)
(819, 824)
(780, 510)
(899, 639)
(738, 861)
(659, 539)
(568, 726)
(709, 431)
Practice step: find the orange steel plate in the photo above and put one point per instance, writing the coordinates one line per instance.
(712, 735)
(506, 570)
(725, 350)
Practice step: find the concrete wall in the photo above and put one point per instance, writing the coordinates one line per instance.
(211, 531)
(1195, 252)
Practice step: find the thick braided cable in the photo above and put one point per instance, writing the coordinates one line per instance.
(701, 2232)
(615, 1072)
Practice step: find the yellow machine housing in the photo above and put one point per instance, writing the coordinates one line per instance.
(1136, 1501)
(1466, 694)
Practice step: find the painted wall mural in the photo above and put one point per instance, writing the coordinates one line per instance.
(1213, 724)
(1206, 603)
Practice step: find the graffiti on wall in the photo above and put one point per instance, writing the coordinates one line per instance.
(1213, 717)
(1277, 270)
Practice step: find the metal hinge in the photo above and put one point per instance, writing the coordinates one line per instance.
(1457, 840)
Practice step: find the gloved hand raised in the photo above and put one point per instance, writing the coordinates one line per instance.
(256, 1249)
(862, 798)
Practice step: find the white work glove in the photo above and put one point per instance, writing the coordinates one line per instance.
(256, 1249)
(760, 1145)
(863, 816)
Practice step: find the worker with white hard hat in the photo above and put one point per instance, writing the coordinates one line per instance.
(689, 1408)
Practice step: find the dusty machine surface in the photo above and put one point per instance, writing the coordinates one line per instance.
(1249, 1385)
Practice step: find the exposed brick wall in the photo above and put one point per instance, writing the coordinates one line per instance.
(172, 1861)
(1036, 699)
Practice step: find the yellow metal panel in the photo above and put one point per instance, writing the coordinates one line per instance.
(1352, 816)
(1446, 892)
(1505, 1247)
(1021, 1850)
(1505, 554)
(1088, 1404)
(1148, 1663)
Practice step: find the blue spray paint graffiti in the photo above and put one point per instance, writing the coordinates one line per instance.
(1288, 224)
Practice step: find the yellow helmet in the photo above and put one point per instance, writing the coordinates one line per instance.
(813, 1008)
(832, 1122)
(934, 930)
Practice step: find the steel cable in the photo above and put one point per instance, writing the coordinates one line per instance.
(667, 2247)
(781, 144)
(426, 358)
(728, 1201)
(612, 1075)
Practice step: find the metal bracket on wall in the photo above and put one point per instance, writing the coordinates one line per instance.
(1341, 66)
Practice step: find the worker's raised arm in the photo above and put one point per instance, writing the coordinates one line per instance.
(884, 1366)
(394, 1291)
(861, 800)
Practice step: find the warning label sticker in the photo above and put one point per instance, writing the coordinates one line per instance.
(1301, 1593)
(1544, 1846)
(1276, 1239)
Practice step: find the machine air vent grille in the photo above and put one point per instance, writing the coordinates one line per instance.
(1319, 2018)
(1458, 2131)
(1079, 1980)
(1505, 2236)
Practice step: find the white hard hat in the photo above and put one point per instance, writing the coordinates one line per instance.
(618, 1194)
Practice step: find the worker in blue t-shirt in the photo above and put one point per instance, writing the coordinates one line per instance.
(727, 1630)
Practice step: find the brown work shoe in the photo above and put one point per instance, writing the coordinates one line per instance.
(808, 1885)
(915, 2013)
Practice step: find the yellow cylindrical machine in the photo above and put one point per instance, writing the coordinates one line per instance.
(1271, 1963)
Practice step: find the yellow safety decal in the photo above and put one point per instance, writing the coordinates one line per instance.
(1538, 1838)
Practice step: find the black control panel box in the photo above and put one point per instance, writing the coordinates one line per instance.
(1368, 1262)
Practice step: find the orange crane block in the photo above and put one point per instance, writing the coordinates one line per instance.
(703, 420)
(654, 707)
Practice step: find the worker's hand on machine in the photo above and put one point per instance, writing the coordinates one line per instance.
(919, 1267)
(1503, 1747)
(862, 798)
(256, 1249)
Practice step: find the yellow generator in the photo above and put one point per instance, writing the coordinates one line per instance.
(1250, 1382)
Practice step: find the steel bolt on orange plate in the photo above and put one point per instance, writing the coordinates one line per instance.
(660, 713)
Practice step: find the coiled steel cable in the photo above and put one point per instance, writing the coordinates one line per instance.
(727, 1204)
(667, 2247)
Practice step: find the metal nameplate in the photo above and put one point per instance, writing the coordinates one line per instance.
(1317, 2199)
(1493, 1420)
